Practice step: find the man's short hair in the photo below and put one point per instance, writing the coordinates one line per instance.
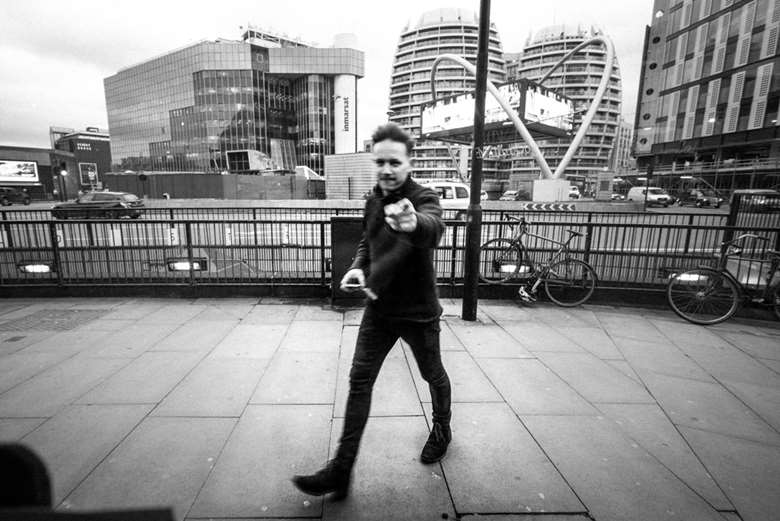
(393, 132)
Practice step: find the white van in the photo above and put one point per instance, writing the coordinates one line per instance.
(655, 195)
(453, 195)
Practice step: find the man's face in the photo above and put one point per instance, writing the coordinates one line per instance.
(392, 164)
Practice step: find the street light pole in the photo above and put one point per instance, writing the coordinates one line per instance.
(474, 224)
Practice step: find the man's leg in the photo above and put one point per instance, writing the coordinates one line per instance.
(375, 339)
(424, 342)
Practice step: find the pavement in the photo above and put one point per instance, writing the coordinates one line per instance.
(209, 406)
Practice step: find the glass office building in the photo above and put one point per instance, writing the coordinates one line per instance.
(442, 31)
(275, 98)
(710, 93)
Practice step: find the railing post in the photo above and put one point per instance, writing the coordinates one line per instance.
(453, 261)
(188, 233)
(731, 221)
(55, 249)
(688, 233)
(322, 253)
(588, 237)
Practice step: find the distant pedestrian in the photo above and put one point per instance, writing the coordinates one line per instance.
(394, 266)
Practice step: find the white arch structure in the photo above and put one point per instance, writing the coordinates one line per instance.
(547, 173)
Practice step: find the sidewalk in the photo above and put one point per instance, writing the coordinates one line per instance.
(211, 405)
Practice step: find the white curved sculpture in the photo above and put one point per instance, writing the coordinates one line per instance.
(547, 173)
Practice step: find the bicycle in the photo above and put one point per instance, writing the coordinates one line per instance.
(567, 281)
(707, 295)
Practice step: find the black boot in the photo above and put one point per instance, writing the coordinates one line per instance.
(436, 446)
(334, 478)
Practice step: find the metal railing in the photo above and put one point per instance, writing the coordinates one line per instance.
(626, 250)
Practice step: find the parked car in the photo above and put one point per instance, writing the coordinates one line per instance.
(483, 195)
(9, 196)
(100, 205)
(453, 195)
(617, 197)
(655, 195)
(699, 197)
(515, 195)
(574, 192)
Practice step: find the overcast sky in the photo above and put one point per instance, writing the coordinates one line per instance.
(55, 54)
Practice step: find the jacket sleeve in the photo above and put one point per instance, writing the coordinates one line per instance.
(430, 226)
(361, 255)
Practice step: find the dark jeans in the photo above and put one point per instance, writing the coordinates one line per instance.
(375, 339)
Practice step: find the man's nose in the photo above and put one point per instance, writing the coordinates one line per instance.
(386, 169)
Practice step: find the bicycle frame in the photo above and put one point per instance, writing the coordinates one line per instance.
(517, 241)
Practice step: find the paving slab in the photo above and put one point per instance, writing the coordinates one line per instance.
(14, 429)
(453, 308)
(540, 338)
(709, 407)
(306, 313)
(503, 312)
(146, 379)
(388, 481)
(106, 325)
(594, 379)
(625, 368)
(763, 400)
(616, 479)
(216, 387)
(521, 517)
(649, 427)
(565, 317)
(594, 340)
(627, 325)
(46, 393)
(661, 358)
(134, 310)
(493, 465)
(71, 342)
(176, 313)
(394, 391)
(250, 341)
(131, 341)
(216, 313)
(196, 336)
(489, 341)
(14, 341)
(269, 445)
(18, 367)
(468, 382)
(353, 317)
(296, 377)
(267, 314)
(156, 466)
(448, 341)
(313, 335)
(759, 346)
(748, 472)
(73, 442)
(774, 365)
(529, 387)
(729, 363)
(681, 333)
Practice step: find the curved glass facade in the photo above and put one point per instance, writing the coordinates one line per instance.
(443, 31)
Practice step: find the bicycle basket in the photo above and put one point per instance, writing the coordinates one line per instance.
(749, 263)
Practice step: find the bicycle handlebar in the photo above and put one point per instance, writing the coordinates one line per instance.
(745, 236)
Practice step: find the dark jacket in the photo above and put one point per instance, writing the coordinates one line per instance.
(399, 265)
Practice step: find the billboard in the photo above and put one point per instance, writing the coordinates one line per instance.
(545, 113)
(15, 171)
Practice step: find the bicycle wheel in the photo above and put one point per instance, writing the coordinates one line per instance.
(776, 302)
(703, 296)
(499, 260)
(570, 282)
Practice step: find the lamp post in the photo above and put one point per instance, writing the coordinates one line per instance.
(63, 182)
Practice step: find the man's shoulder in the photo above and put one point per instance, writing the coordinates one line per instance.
(417, 191)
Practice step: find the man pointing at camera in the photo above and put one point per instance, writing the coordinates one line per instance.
(393, 266)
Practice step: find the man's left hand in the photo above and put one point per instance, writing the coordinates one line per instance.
(401, 216)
